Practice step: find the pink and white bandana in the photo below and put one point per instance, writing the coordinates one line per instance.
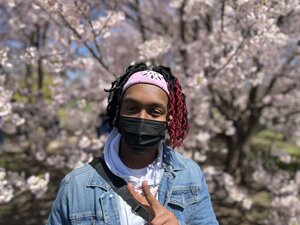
(147, 77)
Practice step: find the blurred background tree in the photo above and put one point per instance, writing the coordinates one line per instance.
(238, 63)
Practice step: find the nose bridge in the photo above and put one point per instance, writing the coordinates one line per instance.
(143, 114)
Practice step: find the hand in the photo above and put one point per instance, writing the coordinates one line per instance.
(159, 214)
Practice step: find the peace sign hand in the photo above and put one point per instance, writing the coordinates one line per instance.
(159, 214)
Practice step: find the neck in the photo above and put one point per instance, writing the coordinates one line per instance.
(136, 160)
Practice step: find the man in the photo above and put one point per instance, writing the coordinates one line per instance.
(142, 105)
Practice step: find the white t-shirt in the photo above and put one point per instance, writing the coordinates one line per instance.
(127, 216)
(152, 173)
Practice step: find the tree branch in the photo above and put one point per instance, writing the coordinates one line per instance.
(222, 14)
(91, 50)
(282, 72)
(230, 58)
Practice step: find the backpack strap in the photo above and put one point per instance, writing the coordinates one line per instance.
(119, 186)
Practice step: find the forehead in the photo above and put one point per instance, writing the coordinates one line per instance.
(146, 94)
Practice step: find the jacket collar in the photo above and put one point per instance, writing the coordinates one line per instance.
(95, 180)
(171, 161)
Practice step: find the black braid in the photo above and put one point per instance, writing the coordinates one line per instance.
(116, 90)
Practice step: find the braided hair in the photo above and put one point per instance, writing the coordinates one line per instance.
(177, 111)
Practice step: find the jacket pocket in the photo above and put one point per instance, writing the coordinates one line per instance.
(86, 219)
(184, 196)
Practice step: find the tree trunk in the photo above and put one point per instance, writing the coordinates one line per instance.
(237, 154)
(232, 155)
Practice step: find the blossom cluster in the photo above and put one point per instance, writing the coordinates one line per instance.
(12, 183)
(154, 47)
(223, 186)
(5, 105)
(6, 190)
(38, 185)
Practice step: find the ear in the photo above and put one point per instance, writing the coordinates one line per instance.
(169, 118)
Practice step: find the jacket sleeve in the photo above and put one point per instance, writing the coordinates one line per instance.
(59, 211)
(204, 214)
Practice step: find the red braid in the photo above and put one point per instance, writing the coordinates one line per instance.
(178, 125)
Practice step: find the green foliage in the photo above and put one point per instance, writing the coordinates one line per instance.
(33, 89)
(266, 141)
(270, 139)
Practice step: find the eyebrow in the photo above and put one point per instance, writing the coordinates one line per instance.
(134, 101)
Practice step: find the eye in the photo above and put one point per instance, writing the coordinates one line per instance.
(130, 109)
(156, 112)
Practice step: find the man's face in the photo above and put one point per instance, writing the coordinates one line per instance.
(145, 101)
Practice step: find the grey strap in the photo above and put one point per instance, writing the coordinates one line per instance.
(119, 186)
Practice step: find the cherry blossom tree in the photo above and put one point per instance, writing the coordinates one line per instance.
(237, 60)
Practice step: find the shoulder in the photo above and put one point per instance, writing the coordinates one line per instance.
(80, 174)
(188, 172)
(72, 185)
(178, 160)
(83, 179)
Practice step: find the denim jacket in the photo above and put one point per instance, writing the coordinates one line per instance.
(84, 197)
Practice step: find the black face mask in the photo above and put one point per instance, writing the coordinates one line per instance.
(141, 134)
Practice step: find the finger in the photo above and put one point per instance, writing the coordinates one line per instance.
(158, 220)
(140, 199)
(154, 204)
(164, 217)
(135, 195)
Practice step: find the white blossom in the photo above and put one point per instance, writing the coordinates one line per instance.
(210, 170)
(38, 185)
(40, 155)
(16, 23)
(4, 60)
(203, 137)
(200, 157)
(285, 201)
(49, 5)
(6, 191)
(2, 173)
(247, 203)
(78, 160)
(30, 56)
(228, 180)
(97, 144)
(154, 47)
(236, 194)
(58, 91)
(176, 3)
(5, 105)
(103, 24)
(290, 188)
(17, 120)
(84, 142)
(285, 159)
(17, 180)
(56, 161)
(230, 131)
(283, 156)
(81, 103)
(260, 175)
(241, 2)
(99, 27)
(11, 4)
(294, 220)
